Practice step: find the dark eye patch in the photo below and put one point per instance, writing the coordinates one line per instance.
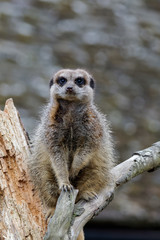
(51, 83)
(61, 81)
(80, 82)
(92, 84)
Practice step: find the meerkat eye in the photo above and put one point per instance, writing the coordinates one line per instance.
(61, 81)
(80, 81)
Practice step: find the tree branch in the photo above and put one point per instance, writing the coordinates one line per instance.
(58, 227)
(142, 161)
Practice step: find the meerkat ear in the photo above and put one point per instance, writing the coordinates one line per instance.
(92, 83)
(51, 83)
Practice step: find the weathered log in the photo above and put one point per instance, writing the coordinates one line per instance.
(21, 212)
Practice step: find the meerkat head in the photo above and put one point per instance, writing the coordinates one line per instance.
(72, 85)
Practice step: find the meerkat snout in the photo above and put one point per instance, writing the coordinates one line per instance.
(69, 90)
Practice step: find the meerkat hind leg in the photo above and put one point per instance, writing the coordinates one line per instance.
(87, 186)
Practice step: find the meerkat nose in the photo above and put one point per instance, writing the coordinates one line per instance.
(69, 89)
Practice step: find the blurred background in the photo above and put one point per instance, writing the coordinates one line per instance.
(118, 41)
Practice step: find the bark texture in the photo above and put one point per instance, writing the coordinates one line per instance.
(21, 213)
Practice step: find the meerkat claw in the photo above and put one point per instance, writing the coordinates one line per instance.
(66, 188)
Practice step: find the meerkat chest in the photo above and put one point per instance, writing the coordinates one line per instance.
(70, 129)
(74, 127)
(74, 132)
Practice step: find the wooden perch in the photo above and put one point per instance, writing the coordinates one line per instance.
(142, 161)
(21, 213)
(60, 223)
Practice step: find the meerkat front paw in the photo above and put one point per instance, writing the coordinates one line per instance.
(66, 187)
(88, 196)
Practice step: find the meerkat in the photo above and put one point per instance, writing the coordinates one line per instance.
(72, 147)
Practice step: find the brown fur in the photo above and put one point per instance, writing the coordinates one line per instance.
(72, 145)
